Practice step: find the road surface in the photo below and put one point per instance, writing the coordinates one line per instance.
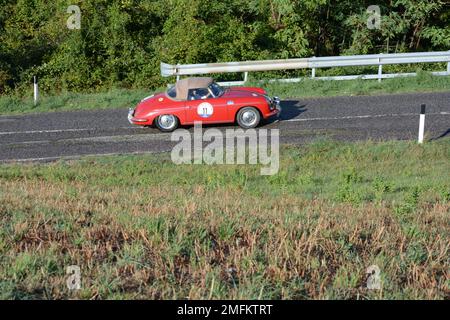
(72, 134)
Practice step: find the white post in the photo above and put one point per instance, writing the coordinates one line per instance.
(421, 123)
(448, 65)
(380, 70)
(313, 71)
(245, 76)
(36, 91)
(178, 77)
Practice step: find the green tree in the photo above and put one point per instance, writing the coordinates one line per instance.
(122, 42)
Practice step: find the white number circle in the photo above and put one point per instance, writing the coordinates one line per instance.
(205, 110)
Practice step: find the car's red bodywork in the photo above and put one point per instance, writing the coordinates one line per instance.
(225, 107)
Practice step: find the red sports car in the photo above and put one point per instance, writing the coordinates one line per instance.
(203, 100)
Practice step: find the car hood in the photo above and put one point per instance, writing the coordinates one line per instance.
(150, 103)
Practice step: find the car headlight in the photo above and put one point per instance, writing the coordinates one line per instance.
(269, 102)
(268, 99)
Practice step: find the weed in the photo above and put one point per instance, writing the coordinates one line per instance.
(142, 227)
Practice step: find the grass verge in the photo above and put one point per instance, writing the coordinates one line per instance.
(142, 227)
(119, 98)
(424, 82)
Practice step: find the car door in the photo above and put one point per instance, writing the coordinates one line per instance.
(202, 106)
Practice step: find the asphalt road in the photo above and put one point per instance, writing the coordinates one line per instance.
(55, 135)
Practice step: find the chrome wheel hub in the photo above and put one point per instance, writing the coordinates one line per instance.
(166, 121)
(249, 118)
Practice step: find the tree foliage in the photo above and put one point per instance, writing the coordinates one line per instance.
(122, 42)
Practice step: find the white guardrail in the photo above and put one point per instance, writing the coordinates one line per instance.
(313, 63)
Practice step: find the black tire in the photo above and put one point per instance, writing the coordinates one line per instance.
(163, 125)
(248, 117)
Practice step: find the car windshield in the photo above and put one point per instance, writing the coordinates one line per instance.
(172, 92)
(216, 89)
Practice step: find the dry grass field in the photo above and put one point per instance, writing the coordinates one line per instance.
(141, 227)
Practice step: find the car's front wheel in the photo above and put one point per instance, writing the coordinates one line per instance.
(167, 122)
(248, 118)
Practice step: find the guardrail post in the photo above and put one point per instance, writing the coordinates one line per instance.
(36, 91)
(245, 76)
(380, 69)
(313, 70)
(448, 65)
(178, 77)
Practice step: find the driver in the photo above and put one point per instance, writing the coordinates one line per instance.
(200, 94)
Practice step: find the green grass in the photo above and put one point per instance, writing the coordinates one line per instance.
(118, 98)
(142, 227)
(424, 82)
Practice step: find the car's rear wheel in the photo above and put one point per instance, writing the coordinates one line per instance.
(248, 117)
(167, 122)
